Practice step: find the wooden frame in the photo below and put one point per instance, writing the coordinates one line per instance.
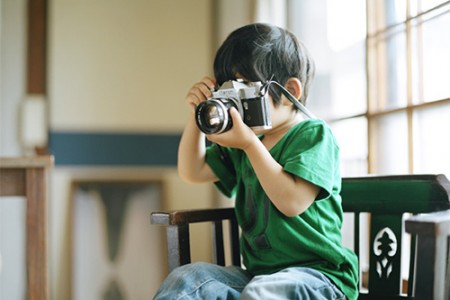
(26, 176)
(113, 180)
(379, 31)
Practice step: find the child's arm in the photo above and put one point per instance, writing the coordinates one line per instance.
(290, 194)
(191, 152)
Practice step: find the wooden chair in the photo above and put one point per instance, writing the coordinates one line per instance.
(386, 199)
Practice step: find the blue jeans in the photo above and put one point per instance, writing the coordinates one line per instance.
(208, 281)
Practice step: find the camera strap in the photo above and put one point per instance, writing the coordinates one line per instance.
(291, 98)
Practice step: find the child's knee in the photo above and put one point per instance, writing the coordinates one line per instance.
(200, 280)
(287, 285)
(260, 287)
(192, 270)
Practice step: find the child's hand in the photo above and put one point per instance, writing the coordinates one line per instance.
(200, 92)
(240, 136)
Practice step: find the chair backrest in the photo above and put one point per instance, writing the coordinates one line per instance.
(387, 199)
(384, 200)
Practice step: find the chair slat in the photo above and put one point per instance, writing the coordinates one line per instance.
(218, 248)
(385, 254)
(234, 243)
(178, 246)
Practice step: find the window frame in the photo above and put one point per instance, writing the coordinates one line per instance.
(374, 78)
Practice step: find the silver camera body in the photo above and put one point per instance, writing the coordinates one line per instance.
(252, 102)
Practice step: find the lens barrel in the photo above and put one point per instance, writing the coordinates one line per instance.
(212, 116)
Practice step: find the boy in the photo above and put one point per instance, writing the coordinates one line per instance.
(286, 181)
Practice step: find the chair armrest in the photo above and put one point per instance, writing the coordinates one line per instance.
(183, 217)
(435, 223)
(433, 254)
(177, 232)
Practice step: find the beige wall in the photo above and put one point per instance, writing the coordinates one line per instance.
(116, 66)
(122, 66)
(125, 65)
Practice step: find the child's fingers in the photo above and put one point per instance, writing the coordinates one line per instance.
(235, 115)
(200, 91)
(209, 82)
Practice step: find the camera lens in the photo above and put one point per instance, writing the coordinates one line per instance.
(212, 116)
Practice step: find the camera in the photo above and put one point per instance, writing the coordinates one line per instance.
(249, 98)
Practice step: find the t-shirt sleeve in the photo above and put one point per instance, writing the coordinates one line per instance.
(223, 167)
(314, 156)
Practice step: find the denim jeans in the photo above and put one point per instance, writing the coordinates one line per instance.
(209, 281)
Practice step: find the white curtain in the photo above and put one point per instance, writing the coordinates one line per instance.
(270, 11)
(232, 14)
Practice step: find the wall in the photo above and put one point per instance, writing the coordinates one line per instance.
(121, 67)
(115, 68)
(12, 86)
(125, 65)
(12, 75)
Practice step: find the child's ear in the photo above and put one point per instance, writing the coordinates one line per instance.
(294, 86)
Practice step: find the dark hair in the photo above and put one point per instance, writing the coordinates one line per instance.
(259, 51)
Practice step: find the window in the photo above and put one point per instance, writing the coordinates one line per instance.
(382, 80)
(408, 60)
(334, 32)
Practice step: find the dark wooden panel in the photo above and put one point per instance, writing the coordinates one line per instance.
(37, 44)
(12, 182)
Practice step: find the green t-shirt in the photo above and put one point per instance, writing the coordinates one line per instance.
(271, 241)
